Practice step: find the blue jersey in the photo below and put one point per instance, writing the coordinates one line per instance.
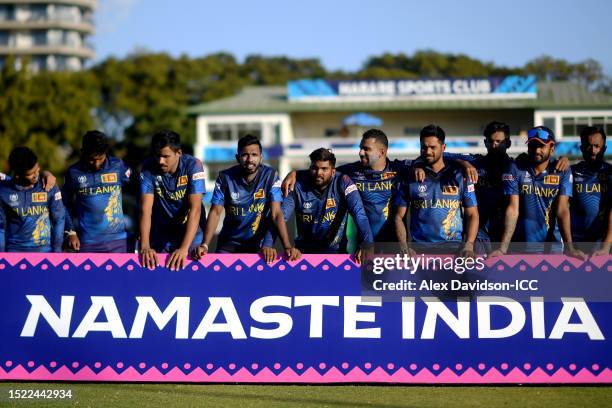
(375, 189)
(591, 200)
(94, 198)
(436, 204)
(247, 207)
(537, 221)
(489, 192)
(171, 200)
(321, 216)
(33, 219)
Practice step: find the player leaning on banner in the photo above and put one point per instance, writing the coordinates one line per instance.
(442, 206)
(322, 199)
(591, 199)
(250, 195)
(92, 194)
(538, 199)
(489, 187)
(172, 187)
(31, 217)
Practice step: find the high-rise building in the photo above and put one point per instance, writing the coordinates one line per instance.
(52, 34)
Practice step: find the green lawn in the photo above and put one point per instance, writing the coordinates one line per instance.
(244, 396)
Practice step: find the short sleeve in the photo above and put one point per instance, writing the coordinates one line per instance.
(566, 183)
(275, 194)
(468, 197)
(218, 197)
(510, 180)
(126, 173)
(147, 182)
(400, 196)
(196, 178)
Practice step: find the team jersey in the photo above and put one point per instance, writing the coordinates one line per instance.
(375, 189)
(436, 204)
(321, 216)
(247, 207)
(95, 199)
(489, 192)
(591, 200)
(171, 200)
(537, 194)
(33, 219)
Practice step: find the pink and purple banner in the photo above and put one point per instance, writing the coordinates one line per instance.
(234, 318)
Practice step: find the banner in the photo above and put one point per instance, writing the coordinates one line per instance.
(321, 90)
(233, 318)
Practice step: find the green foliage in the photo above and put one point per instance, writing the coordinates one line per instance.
(131, 98)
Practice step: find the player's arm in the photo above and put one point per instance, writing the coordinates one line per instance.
(400, 201)
(176, 260)
(48, 180)
(267, 248)
(148, 255)
(289, 183)
(563, 219)
(607, 243)
(212, 222)
(68, 192)
(278, 219)
(355, 208)
(510, 219)
(57, 215)
(2, 229)
(470, 216)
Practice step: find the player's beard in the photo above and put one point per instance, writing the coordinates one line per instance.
(373, 159)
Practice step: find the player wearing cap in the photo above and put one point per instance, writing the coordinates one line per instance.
(250, 195)
(92, 194)
(172, 186)
(443, 206)
(321, 199)
(33, 218)
(591, 199)
(538, 199)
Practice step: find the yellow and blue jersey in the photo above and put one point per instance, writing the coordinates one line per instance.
(537, 221)
(375, 188)
(94, 199)
(436, 204)
(321, 216)
(247, 207)
(590, 202)
(171, 200)
(33, 218)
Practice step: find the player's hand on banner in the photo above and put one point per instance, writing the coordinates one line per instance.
(199, 252)
(497, 253)
(562, 164)
(268, 253)
(405, 249)
(74, 242)
(176, 260)
(575, 253)
(468, 250)
(292, 254)
(48, 180)
(288, 183)
(363, 254)
(148, 258)
(604, 250)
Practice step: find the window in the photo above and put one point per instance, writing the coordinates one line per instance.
(572, 126)
(549, 123)
(412, 131)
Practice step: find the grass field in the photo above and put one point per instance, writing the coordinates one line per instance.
(245, 396)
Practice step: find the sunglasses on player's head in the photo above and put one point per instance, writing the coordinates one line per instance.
(537, 133)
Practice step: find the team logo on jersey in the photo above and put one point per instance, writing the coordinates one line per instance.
(388, 175)
(82, 179)
(109, 178)
(330, 203)
(350, 189)
(182, 181)
(13, 198)
(527, 177)
(422, 190)
(235, 195)
(39, 197)
(307, 205)
(450, 190)
(198, 176)
(259, 194)
(507, 177)
(551, 179)
(470, 188)
(57, 196)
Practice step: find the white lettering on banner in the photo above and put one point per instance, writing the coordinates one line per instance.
(282, 320)
(112, 324)
(179, 307)
(364, 88)
(40, 307)
(224, 310)
(352, 316)
(316, 304)
(460, 324)
(483, 308)
(232, 323)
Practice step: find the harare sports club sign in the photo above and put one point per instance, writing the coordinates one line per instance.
(233, 318)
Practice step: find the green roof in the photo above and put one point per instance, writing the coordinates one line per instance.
(273, 99)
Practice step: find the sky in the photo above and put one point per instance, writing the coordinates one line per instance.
(343, 34)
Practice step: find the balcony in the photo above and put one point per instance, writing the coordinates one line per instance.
(47, 24)
(57, 49)
(82, 3)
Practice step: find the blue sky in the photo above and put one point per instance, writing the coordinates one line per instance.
(343, 34)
